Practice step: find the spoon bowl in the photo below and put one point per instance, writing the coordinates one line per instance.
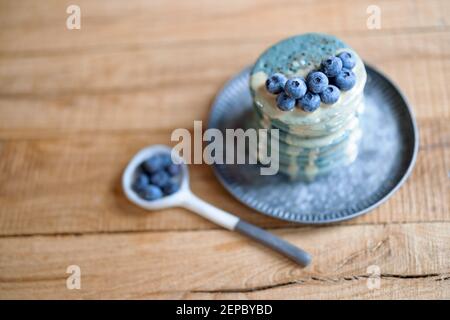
(169, 201)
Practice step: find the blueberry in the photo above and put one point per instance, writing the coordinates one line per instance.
(141, 182)
(345, 80)
(330, 95)
(295, 88)
(166, 159)
(151, 192)
(284, 102)
(160, 178)
(275, 83)
(348, 60)
(171, 188)
(309, 102)
(317, 81)
(153, 164)
(331, 66)
(173, 169)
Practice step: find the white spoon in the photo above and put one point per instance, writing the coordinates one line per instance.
(186, 199)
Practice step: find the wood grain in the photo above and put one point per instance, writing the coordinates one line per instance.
(212, 264)
(76, 105)
(106, 91)
(432, 288)
(34, 27)
(72, 185)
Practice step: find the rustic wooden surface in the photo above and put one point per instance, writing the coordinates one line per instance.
(76, 105)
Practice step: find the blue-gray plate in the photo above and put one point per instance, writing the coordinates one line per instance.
(387, 154)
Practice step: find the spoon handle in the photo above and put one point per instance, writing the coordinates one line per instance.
(233, 223)
(272, 241)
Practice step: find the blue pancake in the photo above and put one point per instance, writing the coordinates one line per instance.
(298, 54)
(315, 141)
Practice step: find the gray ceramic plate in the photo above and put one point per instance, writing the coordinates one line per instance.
(387, 154)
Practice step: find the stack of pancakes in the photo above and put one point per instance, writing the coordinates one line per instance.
(310, 143)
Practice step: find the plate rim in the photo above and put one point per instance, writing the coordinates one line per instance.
(401, 181)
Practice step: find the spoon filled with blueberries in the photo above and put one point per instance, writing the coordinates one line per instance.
(157, 178)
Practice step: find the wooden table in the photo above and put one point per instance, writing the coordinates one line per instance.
(75, 105)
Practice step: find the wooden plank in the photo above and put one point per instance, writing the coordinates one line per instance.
(145, 89)
(72, 185)
(30, 27)
(430, 288)
(76, 105)
(413, 260)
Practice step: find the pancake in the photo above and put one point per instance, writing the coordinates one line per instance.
(310, 143)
